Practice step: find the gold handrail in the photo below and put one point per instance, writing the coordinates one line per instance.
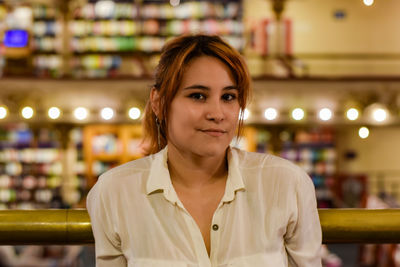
(40, 227)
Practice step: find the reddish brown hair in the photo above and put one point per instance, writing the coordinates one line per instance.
(175, 57)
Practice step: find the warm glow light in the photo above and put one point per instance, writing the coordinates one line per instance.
(3, 112)
(27, 112)
(379, 114)
(134, 113)
(363, 132)
(246, 114)
(352, 114)
(325, 114)
(298, 114)
(270, 114)
(81, 113)
(54, 113)
(107, 113)
(368, 2)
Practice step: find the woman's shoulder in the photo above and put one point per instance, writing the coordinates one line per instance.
(127, 171)
(268, 166)
(261, 160)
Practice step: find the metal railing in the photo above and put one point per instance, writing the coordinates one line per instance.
(40, 227)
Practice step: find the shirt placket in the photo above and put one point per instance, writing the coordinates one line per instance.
(215, 235)
(199, 246)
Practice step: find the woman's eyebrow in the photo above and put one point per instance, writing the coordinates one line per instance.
(231, 87)
(203, 87)
(197, 86)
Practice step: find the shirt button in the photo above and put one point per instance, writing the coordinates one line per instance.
(215, 227)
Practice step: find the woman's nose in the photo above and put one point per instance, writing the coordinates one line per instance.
(215, 111)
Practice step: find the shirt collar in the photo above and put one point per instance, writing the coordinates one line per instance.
(235, 181)
(159, 178)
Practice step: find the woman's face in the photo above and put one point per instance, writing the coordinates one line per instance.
(204, 113)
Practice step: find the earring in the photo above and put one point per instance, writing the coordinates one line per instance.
(158, 133)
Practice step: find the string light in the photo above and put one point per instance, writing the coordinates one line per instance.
(54, 113)
(27, 112)
(134, 113)
(270, 114)
(81, 113)
(298, 114)
(107, 113)
(363, 132)
(368, 2)
(379, 114)
(352, 114)
(325, 114)
(246, 114)
(3, 112)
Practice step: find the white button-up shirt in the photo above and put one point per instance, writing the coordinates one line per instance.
(267, 216)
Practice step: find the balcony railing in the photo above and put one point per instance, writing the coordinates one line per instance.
(39, 227)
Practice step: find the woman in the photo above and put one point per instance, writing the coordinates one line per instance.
(196, 201)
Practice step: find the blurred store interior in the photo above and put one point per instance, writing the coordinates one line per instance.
(75, 76)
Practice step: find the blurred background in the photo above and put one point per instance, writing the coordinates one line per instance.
(75, 76)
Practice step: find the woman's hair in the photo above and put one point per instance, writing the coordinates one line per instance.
(175, 58)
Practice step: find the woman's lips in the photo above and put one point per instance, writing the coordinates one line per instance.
(214, 132)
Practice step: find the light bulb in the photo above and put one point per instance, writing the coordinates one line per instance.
(27, 112)
(325, 114)
(54, 113)
(298, 114)
(246, 114)
(352, 114)
(379, 114)
(81, 113)
(3, 112)
(107, 113)
(363, 132)
(368, 2)
(270, 114)
(134, 113)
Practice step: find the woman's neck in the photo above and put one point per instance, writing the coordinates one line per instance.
(193, 171)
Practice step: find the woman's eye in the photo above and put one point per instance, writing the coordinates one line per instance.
(229, 97)
(197, 96)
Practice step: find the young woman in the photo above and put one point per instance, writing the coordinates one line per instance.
(196, 201)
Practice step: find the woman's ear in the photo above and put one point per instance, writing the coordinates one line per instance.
(155, 101)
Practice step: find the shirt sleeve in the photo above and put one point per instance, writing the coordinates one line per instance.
(303, 238)
(107, 242)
